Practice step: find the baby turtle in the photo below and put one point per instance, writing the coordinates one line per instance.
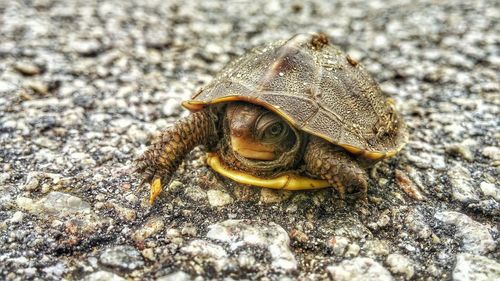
(294, 114)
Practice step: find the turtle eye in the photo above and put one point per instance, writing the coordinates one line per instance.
(271, 129)
(274, 130)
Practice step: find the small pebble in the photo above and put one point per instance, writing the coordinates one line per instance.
(17, 217)
(405, 183)
(359, 269)
(492, 152)
(218, 198)
(490, 189)
(149, 254)
(151, 227)
(268, 195)
(338, 245)
(38, 87)
(474, 268)
(103, 276)
(400, 264)
(352, 250)
(28, 69)
(461, 184)
(476, 237)
(460, 150)
(86, 47)
(122, 257)
(176, 276)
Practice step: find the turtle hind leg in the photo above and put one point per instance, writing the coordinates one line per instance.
(165, 154)
(335, 165)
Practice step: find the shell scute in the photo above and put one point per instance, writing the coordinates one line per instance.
(318, 89)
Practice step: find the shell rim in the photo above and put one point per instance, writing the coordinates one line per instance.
(195, 105)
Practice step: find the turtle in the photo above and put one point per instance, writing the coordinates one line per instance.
(293, 114)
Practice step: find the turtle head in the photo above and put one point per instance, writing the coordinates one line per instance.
(257, 133)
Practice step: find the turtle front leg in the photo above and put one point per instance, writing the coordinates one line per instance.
(335, 165)
(165, 154)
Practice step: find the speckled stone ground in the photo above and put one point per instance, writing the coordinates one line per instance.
(84, 86)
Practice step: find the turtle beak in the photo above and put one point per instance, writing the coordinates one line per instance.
(251, 149)
(241, 118)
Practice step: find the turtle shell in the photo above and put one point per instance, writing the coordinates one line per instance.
(315, 87)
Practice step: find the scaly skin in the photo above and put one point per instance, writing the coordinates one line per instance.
(164, 156)
(333, 164)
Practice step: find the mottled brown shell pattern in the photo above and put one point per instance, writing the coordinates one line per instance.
(318, 89)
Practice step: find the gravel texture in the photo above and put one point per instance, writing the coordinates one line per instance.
(85, 85)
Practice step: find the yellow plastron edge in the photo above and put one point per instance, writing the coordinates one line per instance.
(287, 181)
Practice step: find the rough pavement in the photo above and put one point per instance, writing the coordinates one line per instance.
(84, 85)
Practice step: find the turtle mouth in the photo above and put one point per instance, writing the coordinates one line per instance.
(252, 150)
(255, 154)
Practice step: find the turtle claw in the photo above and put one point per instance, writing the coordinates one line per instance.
(359, 196)
(155, 184)
(149, 176)
(156, 188)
